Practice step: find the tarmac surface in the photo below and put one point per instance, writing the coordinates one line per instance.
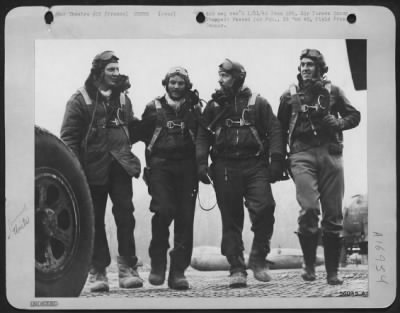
(215, 284)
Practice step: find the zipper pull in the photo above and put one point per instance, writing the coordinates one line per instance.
(226, 175)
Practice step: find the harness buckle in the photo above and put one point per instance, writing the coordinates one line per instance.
(306, 108)
(319, 102)
(172, 124)
(229, 122)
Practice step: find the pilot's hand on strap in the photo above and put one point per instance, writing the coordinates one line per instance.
(203, 174)
(333, 122)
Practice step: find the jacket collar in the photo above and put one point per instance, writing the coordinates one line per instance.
(244, 91)
(175, 104)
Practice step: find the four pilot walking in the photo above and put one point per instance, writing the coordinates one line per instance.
(249, 147)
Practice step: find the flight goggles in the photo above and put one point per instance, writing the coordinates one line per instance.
(178, 70)
(226, 65)
(105, 56)
(311, 53)
(230, 66)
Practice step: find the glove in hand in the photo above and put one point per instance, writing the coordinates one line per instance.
(332, 122)
(203, 174)
(276, 168)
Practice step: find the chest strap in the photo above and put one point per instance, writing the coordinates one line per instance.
(294, 116)
(251, 106)
(158, 127)
(122, 101)
(303, 108)
(85, 95)
(243, 122)
(161, 120)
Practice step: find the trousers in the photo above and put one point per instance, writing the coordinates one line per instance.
(119, 188)
(239, 182)
(319, 178)
(173, 186)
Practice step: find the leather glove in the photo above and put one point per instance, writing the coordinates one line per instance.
(203, 174)
(332, 122)
(287, 174)
(276, 168)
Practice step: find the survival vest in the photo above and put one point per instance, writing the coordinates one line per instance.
(303, 108)
(247, 119)
(175, 126)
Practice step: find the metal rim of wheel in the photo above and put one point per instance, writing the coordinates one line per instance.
(56, 223)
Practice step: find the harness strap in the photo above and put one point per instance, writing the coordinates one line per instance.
(328, 86)
(191, 133)
(158, 127)
(122, 101)
(229, 123)
(250, 104)
(252, 100)
(85, 96)
(293, 119)
(88, 101)
(218, 131)
(255, 134)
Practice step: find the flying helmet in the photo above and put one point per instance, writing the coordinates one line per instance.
(177, 70)
(317, 57)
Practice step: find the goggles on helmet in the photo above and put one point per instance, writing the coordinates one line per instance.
(105, 56)
(178, 70)
(311, 53)
(227, 65)
(232, 67)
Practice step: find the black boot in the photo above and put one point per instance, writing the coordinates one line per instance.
(157, 273)
(176, 276)
(332, 247)
(238, 277)
(177, 280)
(309, 245)
(258, 263)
